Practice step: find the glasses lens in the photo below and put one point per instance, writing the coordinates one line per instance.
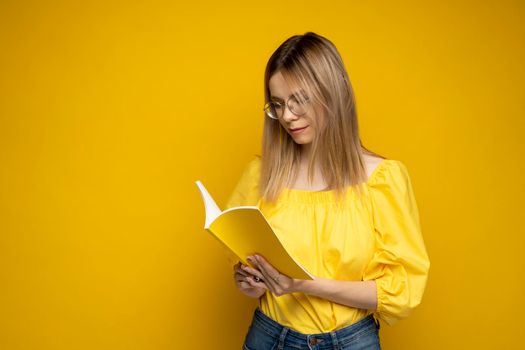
(273, 110)
(298, 105)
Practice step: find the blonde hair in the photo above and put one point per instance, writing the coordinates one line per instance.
(313, 63)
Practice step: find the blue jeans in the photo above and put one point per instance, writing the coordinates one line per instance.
(266, 334)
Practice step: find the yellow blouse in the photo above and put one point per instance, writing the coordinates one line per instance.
(375, 239)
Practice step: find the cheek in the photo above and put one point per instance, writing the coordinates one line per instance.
(311, 132)
(316, 117)
(281, 123)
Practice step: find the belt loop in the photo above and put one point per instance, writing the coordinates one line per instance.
(335, 342)
(281, 338)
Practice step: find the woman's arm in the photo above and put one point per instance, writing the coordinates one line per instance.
(358, 294)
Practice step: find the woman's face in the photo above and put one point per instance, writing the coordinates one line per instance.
(300, 128)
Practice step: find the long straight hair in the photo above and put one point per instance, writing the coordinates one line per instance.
(312, 63)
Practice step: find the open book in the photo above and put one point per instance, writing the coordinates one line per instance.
(245, 231)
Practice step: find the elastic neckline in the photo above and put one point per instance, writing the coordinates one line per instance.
(300, 195)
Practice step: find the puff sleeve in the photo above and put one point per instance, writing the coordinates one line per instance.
(246, 191)
(400, 263)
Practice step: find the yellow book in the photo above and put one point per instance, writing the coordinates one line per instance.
(245, 231)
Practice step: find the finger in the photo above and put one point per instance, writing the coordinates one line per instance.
(256, 278)
(243, 279)
(252, 271)
(255, 284)
(266, 277)
(266, 265)
(245, 285)
(245, 270)
(272, 271)
(241, 272)
(239, 277)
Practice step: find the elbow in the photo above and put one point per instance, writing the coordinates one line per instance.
(395, 305)
(400, 291)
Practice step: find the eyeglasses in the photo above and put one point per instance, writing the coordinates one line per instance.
(297, 105)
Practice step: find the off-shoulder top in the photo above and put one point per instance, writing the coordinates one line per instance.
(378, 238)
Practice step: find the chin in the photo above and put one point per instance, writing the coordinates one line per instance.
(302, 141)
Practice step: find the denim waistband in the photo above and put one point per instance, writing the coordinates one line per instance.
(328, 339)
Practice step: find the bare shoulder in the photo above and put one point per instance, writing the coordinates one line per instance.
(371, 163)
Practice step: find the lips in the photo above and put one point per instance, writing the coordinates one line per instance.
(297, 129)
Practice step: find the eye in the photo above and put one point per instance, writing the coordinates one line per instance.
(301, 96)
(301, 99)
(277, 105)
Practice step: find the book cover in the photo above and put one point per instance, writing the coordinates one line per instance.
(245, 231)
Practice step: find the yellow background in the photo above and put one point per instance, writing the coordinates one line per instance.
(110, 111)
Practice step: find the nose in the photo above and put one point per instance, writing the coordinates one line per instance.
(288, 116)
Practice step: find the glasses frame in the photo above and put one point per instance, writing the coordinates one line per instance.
(286, 104)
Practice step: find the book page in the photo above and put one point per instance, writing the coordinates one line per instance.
(211, 208)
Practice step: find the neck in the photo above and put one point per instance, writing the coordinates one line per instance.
(305, 151)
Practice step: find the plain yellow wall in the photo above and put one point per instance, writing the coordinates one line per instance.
(109, 112)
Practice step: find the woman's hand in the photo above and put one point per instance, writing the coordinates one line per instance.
(247, 283)
(274, 281)
(357, 294)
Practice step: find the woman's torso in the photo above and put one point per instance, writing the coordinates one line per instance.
(330, 240)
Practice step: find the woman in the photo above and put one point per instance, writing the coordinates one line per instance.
(348, 215)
